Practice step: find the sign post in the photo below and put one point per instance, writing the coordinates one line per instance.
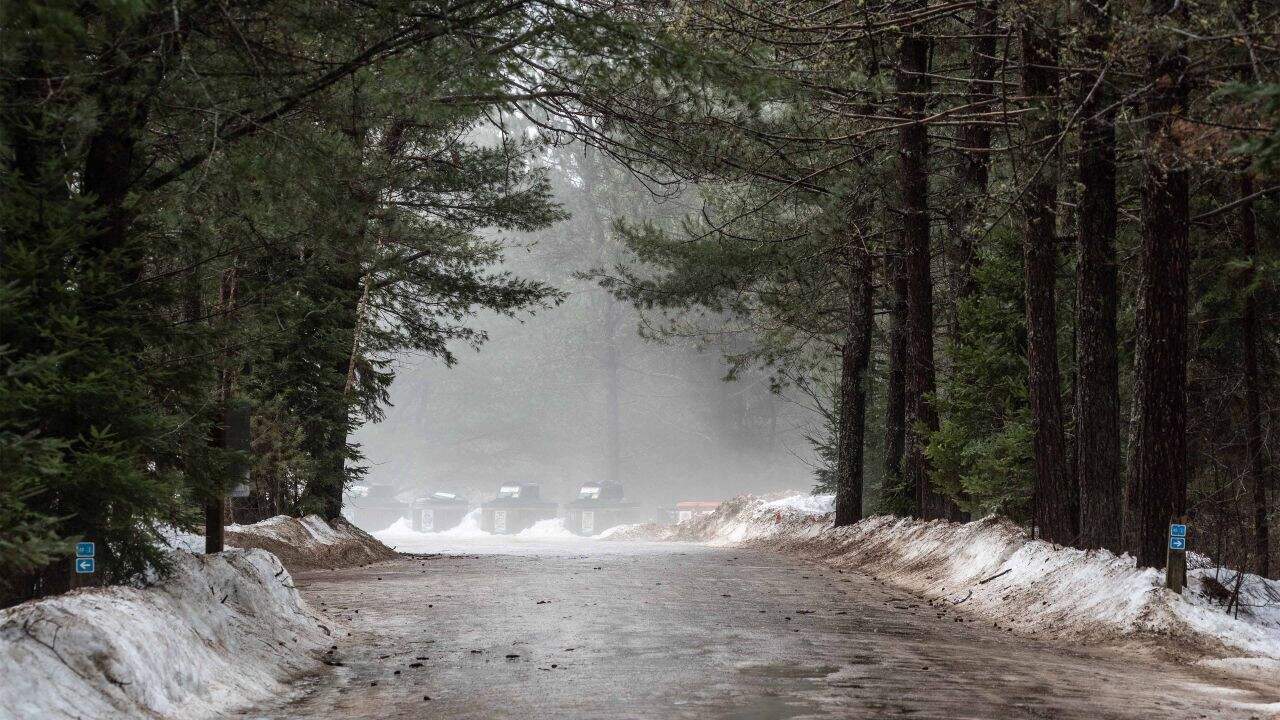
(1175, 566)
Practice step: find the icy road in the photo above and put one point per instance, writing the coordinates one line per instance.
(630, 630)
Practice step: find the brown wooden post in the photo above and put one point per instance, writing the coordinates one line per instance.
(1175, 566)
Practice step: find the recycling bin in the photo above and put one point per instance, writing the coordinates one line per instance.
(438, 511)
(376, 508)
(517, 507)
(598, 507)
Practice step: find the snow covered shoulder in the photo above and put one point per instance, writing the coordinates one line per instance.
(991, 568)
(219, 630)
(310, 542)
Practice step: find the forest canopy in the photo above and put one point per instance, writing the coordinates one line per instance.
(1021, 255)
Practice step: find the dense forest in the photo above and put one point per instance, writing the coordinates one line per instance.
(1039, 239)
(1024, 254)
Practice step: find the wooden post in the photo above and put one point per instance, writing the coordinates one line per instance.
(1175, 565)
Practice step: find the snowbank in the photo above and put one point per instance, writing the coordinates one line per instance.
(220, 630)
(310, 542)
(547, 529)
(808, 504)
(467, 537)
(992, 568)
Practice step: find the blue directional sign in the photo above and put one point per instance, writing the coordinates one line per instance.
(1178, 531)
(84, 565)
(1177, 543)
(84, 550)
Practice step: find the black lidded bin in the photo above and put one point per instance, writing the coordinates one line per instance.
(599, 506)
(378, 509)
(438, 511)
(517, 507)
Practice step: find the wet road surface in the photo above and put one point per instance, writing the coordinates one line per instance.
(680, 631)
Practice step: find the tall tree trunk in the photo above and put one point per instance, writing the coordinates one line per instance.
(913, 184)
(895, 490)
(975, 151)
(1254, 389)
(353, 282)
(215, 498)
(1157, 489)
(332, 473)
(855, 355)
(335, 471)
(1098, 475)
(972, 177)
(1055, 512)
(1253, 386)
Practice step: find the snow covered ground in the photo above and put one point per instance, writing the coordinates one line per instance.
(992, 568)
(545, 537)
(310, 542)
(306, 542)
(219, 630)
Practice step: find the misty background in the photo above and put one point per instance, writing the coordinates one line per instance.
(575, 394)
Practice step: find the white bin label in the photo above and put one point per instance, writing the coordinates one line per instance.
(588, 522)
(499, 521)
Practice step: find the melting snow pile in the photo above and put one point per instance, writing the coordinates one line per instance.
(310, 542)
(467, 537)
(548, 529)
(220, 630)
(992, 568)
(401, 531)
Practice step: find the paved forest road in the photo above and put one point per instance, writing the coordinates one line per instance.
(693, 632)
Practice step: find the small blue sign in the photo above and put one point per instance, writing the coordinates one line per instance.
(84, 565)
(1177, 531)
(1177, 543)
(84, 550)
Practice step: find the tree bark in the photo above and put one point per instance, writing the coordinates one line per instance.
(333, 472)
(1157, 490)
(1253, 386)
(1055, 513)
(913, 183)
(215, 498)
(1098, 475)
(975, 150)
(855, 356)
(972, 177)
(895, 422)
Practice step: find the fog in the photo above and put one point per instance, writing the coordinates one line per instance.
(574, 394)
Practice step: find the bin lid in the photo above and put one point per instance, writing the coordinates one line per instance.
(522, 491)
(606, 494)
(519, 495)
(441, 498)
(601, 491)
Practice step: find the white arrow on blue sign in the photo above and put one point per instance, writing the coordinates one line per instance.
(84, 565)
(1177, 543)
(84, 549)
(1177, 530)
